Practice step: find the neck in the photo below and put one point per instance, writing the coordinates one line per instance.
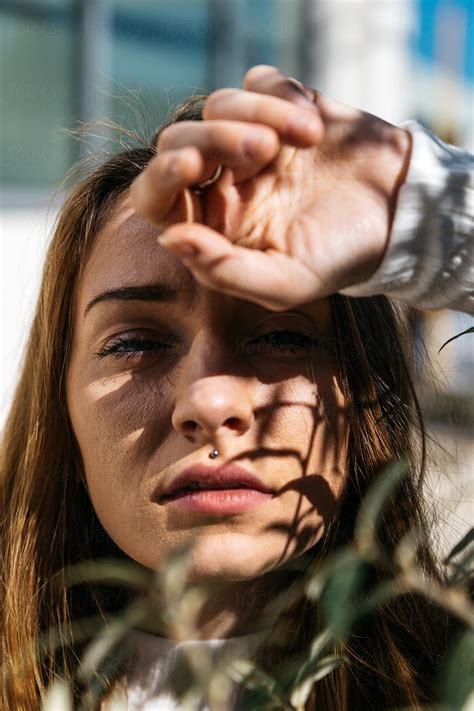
(220, 610)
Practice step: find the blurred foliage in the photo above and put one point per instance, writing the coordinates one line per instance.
(447, 408)
(339, 585)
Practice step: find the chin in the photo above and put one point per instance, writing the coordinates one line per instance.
(229, 557)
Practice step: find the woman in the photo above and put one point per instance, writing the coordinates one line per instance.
(189, 333)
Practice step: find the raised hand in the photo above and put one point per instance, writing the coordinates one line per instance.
(304, 204)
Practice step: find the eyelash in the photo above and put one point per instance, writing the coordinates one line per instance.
(123, 347)
(282, 342)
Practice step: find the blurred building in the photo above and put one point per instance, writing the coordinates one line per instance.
(64, 62)
(402, 59)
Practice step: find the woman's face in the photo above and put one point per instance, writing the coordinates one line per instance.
(162, 371)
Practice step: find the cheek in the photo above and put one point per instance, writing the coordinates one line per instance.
(118, 422)
(314, 430)
(119, 425)
(312, 417)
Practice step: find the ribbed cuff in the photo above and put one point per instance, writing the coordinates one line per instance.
(429, 262)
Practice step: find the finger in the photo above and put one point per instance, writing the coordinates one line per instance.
(266, 79)
(155, 190)
(298, 126)
(271, 279)
(245, 147)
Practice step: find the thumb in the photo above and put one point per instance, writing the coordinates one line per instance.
(271, 279)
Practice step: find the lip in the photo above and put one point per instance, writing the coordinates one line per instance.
(225, 477)
(217, 502)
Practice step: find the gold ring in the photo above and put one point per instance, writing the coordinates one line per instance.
(199, 187)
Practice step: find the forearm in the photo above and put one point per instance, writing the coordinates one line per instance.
(429, 262)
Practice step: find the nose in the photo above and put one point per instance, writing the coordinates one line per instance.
(213, 408)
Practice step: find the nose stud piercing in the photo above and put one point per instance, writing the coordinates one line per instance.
(214, 454)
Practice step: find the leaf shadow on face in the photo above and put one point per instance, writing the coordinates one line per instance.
(324, 432)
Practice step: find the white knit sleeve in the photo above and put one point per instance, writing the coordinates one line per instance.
(429, 262)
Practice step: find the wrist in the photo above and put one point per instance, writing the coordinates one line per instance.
(396, 166)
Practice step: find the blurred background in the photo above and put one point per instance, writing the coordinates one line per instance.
(63, 62)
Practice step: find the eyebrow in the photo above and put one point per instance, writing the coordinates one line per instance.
(147, 292)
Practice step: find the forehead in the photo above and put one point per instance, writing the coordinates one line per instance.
(126, 252)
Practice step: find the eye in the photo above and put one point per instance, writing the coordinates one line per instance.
(135, 347)
(282, 343)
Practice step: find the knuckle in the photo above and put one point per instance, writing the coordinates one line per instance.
(143, 201)
(155, 168)
(299, 89)
(261, 144)
(277, 305)
(166, 137)
(214, 100)
(255, 73)
(174, 134)
(270, 140)
(214, 154)
(217, 278)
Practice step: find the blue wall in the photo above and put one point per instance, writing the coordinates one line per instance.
(425, 38)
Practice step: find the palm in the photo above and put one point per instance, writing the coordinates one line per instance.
(302, 214)
(319, 215)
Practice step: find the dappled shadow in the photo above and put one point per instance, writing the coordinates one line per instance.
(313, 487)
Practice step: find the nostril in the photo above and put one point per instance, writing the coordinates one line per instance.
(189, 427)
(233, 423)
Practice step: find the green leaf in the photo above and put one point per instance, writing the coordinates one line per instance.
(373, 503)
(344, 595)
(78, 631)
(319, 644)
(261, 700)
(245, 672)
(101, 648)
(461, 545)
(458, 335)
(58, 697)
(108, 570)
(385, 591)
(180, 679)
(462, 570)
(263, 691)
(336, 562)
(461, 560)
(407, 549)
(469, 705)
(312, 674)
(308, 666)
(459, 677)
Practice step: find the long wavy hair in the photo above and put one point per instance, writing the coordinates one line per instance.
(48, 522)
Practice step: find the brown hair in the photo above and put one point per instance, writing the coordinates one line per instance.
(47, 520)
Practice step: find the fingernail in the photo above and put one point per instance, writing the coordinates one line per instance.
(303, 91)
(182, 249)
(176, 160)
(174, 166)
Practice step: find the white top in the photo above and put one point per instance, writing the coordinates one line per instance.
(429, 262)
(160, 664)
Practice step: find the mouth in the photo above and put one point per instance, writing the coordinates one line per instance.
(216, 502)
(226, 489)
(201, 487)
